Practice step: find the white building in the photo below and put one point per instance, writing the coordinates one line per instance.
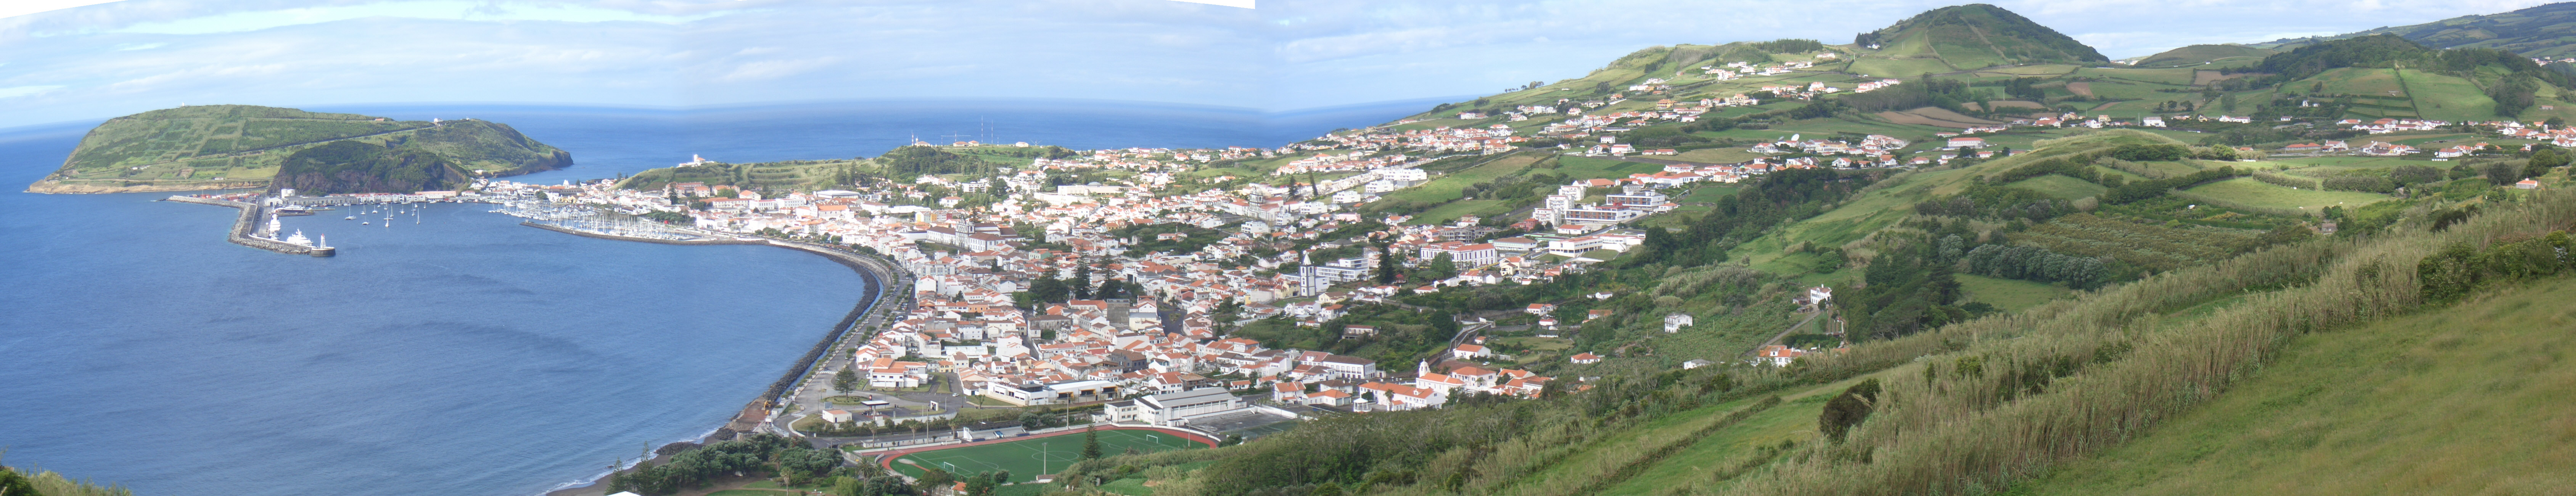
(1061, 393)
(1175, 409)
(1466, 255)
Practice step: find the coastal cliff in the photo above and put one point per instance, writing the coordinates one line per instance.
(243, 146)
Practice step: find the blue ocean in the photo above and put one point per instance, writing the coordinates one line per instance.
(454, 351)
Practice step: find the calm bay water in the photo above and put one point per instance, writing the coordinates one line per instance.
(464, 354)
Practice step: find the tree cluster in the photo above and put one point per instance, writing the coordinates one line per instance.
(2460, 269)
(920, 160)
(2036, 264)
(2152, 188)
(759, 453)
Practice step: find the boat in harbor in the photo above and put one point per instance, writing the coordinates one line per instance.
(352, 217)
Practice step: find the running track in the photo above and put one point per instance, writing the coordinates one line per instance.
(885, 459)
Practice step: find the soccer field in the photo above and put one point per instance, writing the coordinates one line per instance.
(1029, 458)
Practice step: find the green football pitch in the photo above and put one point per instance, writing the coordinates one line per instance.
(1029, 458)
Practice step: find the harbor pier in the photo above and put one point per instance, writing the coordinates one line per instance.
(245, 230)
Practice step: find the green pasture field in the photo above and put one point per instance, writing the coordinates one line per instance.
(1856, 218)
(2362, 81)
(2121, 90)
(2357, 162)
(1030, 458)
(1447, 187)
(2248, 191)
(1597, 168)
(2019, 139)
(2187, 137)
(1677, 220)
(1717, 155)
(1893, 68)
(2420, 141)
(2042, 70)
(1774, 104)
(2174, 77)
(2448, 97)
(1460, 208)
(2061, 186)
(2009, 295)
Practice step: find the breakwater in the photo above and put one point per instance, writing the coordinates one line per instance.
(248, 223)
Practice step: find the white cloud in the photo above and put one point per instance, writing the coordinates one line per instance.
(139, 46)
(430, 9)
(774, 69)
(26, 90)
(1229, 3)
(14, 8)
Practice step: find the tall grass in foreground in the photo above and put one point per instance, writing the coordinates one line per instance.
(2007, 398)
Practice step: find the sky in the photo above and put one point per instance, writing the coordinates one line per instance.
(66, 60)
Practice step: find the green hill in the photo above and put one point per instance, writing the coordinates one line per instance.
(2457, 83)
(242, 146)
(2543, 31)
(2201, 55)
(1966, 37)
(354, 167)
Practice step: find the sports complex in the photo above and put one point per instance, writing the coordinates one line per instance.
(1028, 457)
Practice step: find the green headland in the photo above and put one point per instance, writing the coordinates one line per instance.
(244, 146)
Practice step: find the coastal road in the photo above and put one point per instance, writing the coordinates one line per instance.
(891, 302)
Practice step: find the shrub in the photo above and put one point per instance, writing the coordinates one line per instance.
(1847, 410)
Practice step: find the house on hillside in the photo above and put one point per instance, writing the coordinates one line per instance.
(1586, 357)
(1675, 321)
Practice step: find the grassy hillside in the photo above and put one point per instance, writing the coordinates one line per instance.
(2466, 400)
(2196, 55)
(1968, 37)
(234, 146)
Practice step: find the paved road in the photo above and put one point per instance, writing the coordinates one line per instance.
(890, 305)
